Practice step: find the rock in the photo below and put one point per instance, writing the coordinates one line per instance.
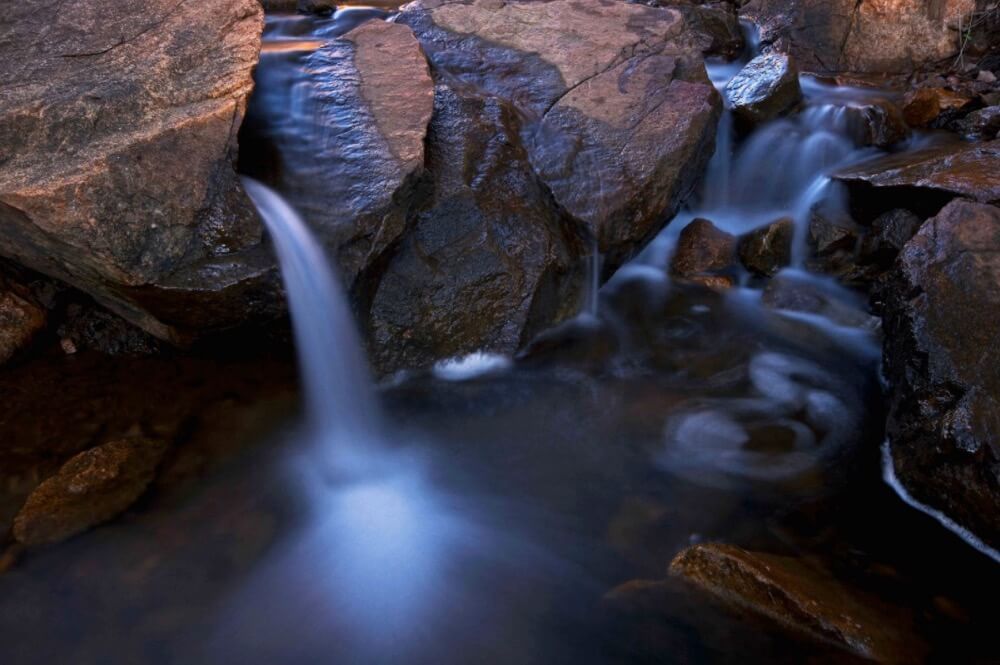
(874, 36)
(92, 327)
(981, 124)
(921, 107)
(321, 7)
(797, 294)
(702, 248)
(962, 169)
(767, 87)
(20, 321)
(117, 175)
(801, 598)
(768, 249)
(828, 234)
(986, 76)
(489, 261)
(91, 488)
(942, 350)
(718, 22)
(890, 232)
(878, 123)
(620, 113)
(348, 157)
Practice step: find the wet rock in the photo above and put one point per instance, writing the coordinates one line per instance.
(621, 115)
(91, 488)
(702, 248)
(117, 175)
(830, 234)
(768, 249)
(881, 36)
(92, 327)
(981, 124)
(489, 260)
(879, 123)
(767, 87)
(889, 233)
(942, 319)
(20, 321)
(960, 170)
(718, 22)
(801, 598)
(798, 293)
(921, 107)
(350, 154)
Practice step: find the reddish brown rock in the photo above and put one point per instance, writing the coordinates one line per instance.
(701, 248)
(768, 249)
(91, 488)
(922, 106)
(801, 598)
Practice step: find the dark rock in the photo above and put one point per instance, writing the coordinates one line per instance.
(20, 321)
(768, 249)
(702, 248)
(91, 488)
(890, 232)
(923, 106)
(767, 87)
(621, 115)
(321, 7)
(829, 234)
(119, 137)
(94, 328)
(981, 124)
(802, 598)
(718, 22)
(879, 123)
(797, 294)
(489, 260)
(942, 318)
(865, 37)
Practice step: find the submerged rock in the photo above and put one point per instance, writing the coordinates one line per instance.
(488, 260)
(799, 597)
(119, 137)
(620, 113)
(942, 353)
(874, 36)
(91, 488)
(767, 87)
(701, 248)
(964, 169)
(768, 249)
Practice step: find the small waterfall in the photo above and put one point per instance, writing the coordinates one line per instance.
(594, 264)
(339, 391)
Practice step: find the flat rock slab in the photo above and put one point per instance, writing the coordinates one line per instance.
(620, 116)
(964, 169)
(118, 134)
(942, 358)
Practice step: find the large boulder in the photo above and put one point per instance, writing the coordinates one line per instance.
(119, 136)
(620, 115)
(942, 353)
(962, 169)
(863, 36)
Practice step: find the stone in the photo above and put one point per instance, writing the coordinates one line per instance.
(620, 114)
(91, 488)
(718, 23)
(892, 230)
(828, 234)
(978, 125)
(94, 328)
(767, 87)
(117, 176)
(986, 76)
(321, 7)
(963, 169)
(20, 321)
(702, 248)
(923, 106)
(768, 249)
(801, 598)
(941, 314)
(488, 261)
(878, 123)
(796, 294)
(873, 36)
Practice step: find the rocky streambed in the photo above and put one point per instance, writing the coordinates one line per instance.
(771, 436)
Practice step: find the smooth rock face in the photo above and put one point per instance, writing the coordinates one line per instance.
(20, 321)
(765, 88)
(799, 597)
(116, 172)
(702, 247)
(91, 488)
(868, 36)
(965, 169)
(620, 113)
(488, 260)
(353, 144)
(942, 354)
(768, 249)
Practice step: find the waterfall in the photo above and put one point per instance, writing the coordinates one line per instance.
(339, 391)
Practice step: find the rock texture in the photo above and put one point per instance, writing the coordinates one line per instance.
(799, 597)
(116, 172)
(768, 249)
(702, 247)
(89, 489)
(620, 113)
(942, 322)
(764, 89)
(963, 169)
(20, 321)
(863, 36)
